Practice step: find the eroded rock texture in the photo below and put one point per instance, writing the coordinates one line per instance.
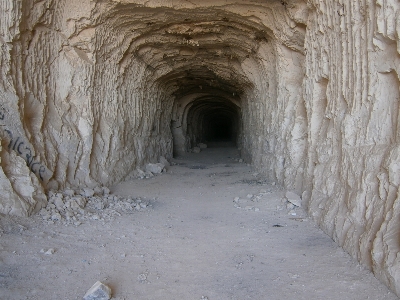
(308, 90)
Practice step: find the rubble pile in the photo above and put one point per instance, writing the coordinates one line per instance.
(71, 207)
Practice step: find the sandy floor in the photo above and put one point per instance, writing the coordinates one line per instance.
(194, 242)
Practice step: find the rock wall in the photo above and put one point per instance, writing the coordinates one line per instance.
(91, 90)
(352, 99)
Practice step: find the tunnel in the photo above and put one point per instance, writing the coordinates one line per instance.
(307, 91)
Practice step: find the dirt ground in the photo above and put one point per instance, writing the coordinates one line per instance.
(194, 242)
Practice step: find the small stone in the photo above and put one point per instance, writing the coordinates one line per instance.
(273, 183)
(249, 196)
(241, 160)
(236, 199)
(293, 198)
(106, 191)
(290, 206)
(249, 207)
(140, 173)
(56, 217)
(69, 192)
(86, 192)
(98, 191)
(196, 150)
(202, 146)
(155, 168)
(59, 204)
(98, 291)
(256, 209)
(164, 161)
(50, 251)
(263, 191)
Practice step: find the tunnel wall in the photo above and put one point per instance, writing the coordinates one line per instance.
(352, 99)
(275, 125)
(77, 116)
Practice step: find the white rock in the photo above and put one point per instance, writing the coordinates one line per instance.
(196, 150)
(56, 217)
(164, 161)
(106, 191)
(155, 168)
(98, 291)
(98, 191)
(50, 251)
(69, 192)
(202, 146)
(293, 198)
(86, 192)
(59, 204)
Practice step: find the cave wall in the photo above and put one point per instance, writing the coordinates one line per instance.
(352, 99)
(89, 91)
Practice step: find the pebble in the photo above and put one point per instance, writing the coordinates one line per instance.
(202, 146)
(69, 192)
(196, 150)
(98, 291)
(50, 251)
(86, 192)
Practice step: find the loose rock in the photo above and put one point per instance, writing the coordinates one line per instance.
(155, 168)
(196, 150)
(98, 291)
(293, 198)
(202, 146)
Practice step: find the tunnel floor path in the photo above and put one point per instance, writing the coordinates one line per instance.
(194, 242)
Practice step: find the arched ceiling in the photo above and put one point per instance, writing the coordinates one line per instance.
(196, 47)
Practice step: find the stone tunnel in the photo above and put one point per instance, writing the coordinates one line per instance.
(307, 90)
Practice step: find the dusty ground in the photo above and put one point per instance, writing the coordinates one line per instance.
(193, 242)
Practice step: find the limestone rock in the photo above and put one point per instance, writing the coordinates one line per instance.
(155, 168)
(202, 146)
(98, 291)
(164, 161)
(21, 193)
(196, 150)
(293, 198)
(87, 192)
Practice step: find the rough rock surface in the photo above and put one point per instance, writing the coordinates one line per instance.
(98, 291)
(90, 91)
(74, 208)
